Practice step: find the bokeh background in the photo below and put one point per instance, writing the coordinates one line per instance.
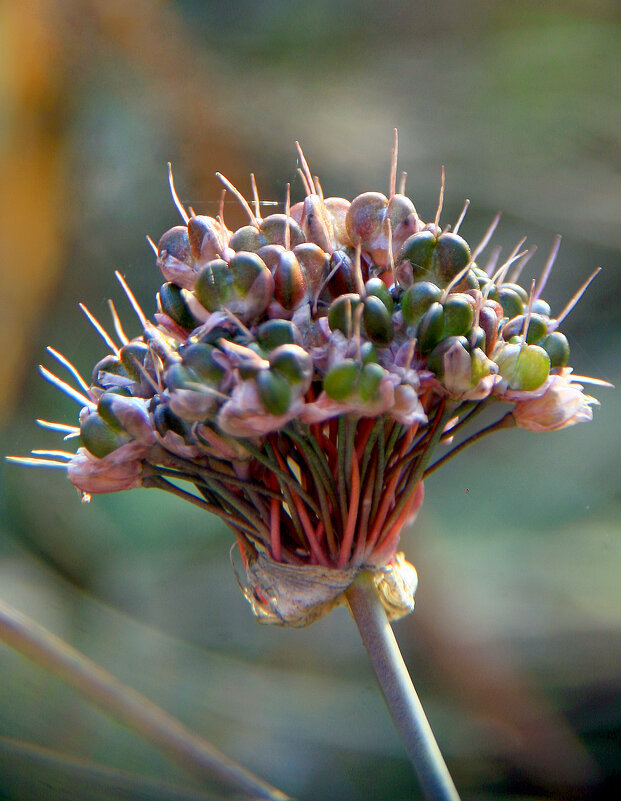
(515, 644)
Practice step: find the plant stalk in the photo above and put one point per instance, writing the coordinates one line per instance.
(399, 693)
(128, 706)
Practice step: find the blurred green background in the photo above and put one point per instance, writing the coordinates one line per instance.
(515, 644)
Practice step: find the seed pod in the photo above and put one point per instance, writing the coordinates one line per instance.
(133, 357)
(476, 338)
(341, 379)
(110, 365)
(435, 360)
(98, 437)
(468, 282)
(377, 321)
(430, 328)
(165, 420)
(273, 333)
(289, 281)
(274, 391)
(174, 257)
(519, 290)
(370, 380)
(273, 230)
(214, 285)
(365, 216)
(541, 307)
(419, 251)
(488, 321)
(458, 314)
(537, 328)
(341, 313)
(404, 221)
(524, 367)
(417, 299)
(451, 255)
(337, 208)
(205, 237)
(254, 285)
(375, 286)
(179, 376)
(174, 303)
(510, 301)
(248, 237)
(343, 281)
(292, 363)
(368, 353)
(315, 263)
(557, 348)
(202, 359)
(316, 223)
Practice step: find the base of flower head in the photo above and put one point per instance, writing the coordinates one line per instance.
(297, 595)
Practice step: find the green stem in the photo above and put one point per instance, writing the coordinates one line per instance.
(398, 690)
(128, 706)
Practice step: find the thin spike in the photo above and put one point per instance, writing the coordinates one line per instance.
(123, 338)
(223, 230)
(28, 461)
(100, 329)
(307, 189)
(175, 197)
(548, 266)
(358, 270)
(440, 199)
(242, 200)
(66, 388)
(255, 197)
(305, 168)
(461, 274)
(402, 182)
(487, 235)
(318, 186)
(57, 426)
(132, 299)
(393, 164)
(517, 270)
(61, 454)
(153, 246)
(287, 210)
(573, 300)
(391, 255)
(460, 219)
(585, 379)
(72, 369)
(192, 212)
(493, 260)
(529, 311)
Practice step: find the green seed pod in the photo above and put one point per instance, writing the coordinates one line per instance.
(176, 307)
(165, 420)
(341, 313)
(246, 267)
(541, 307)
(274, 391)
(519, 290)
(417, 299)
(370, 380)
(214, 285)
(341, 379)
(200, 358)
(430, 328)
(458, 314)
(476, 337)
(178, 376)
(105, 409)
(537, 328)
(557, 348)
(368, 353)
(451, 255)
(273, 229)
(109, 364)
(523, 367)
(377, 321)
(248, 237)
(293, 363)
(133, 357)
(99, 438)
(375, 286)
(510, 301)
(469, 281)
(289, 281)
(273, 333)
(419, 251)
(435, 360)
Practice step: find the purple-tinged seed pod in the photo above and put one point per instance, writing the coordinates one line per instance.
(248, 238)
(488, 321)
(365, 216)
(274, 227)
(315, 263)
(337, 208)
(174, 257)
(342, 270)
(271, 255)
(205, 237)
(316, 223)
(289, 281)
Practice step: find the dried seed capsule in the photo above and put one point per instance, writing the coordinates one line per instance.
(337, 208)
(375, 286)
(273, 229)
(417, 299)
(293, 363)
(537, 328)
(557, 348)
(175, 305)
(458, 314)
(341, 313)
(524, 367)
(341, 379)
(419, 251)
(202, 359)
(273, 333)
(274, 391)
(370, 380)
(403, 218)
(377, 321)
(450, 256)
(365, 216)
(435, 360)
(510, 300)
(431, 328)
(98, 437)
(289, 281)
(248, 237)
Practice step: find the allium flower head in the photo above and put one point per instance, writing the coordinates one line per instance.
(298, 373)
